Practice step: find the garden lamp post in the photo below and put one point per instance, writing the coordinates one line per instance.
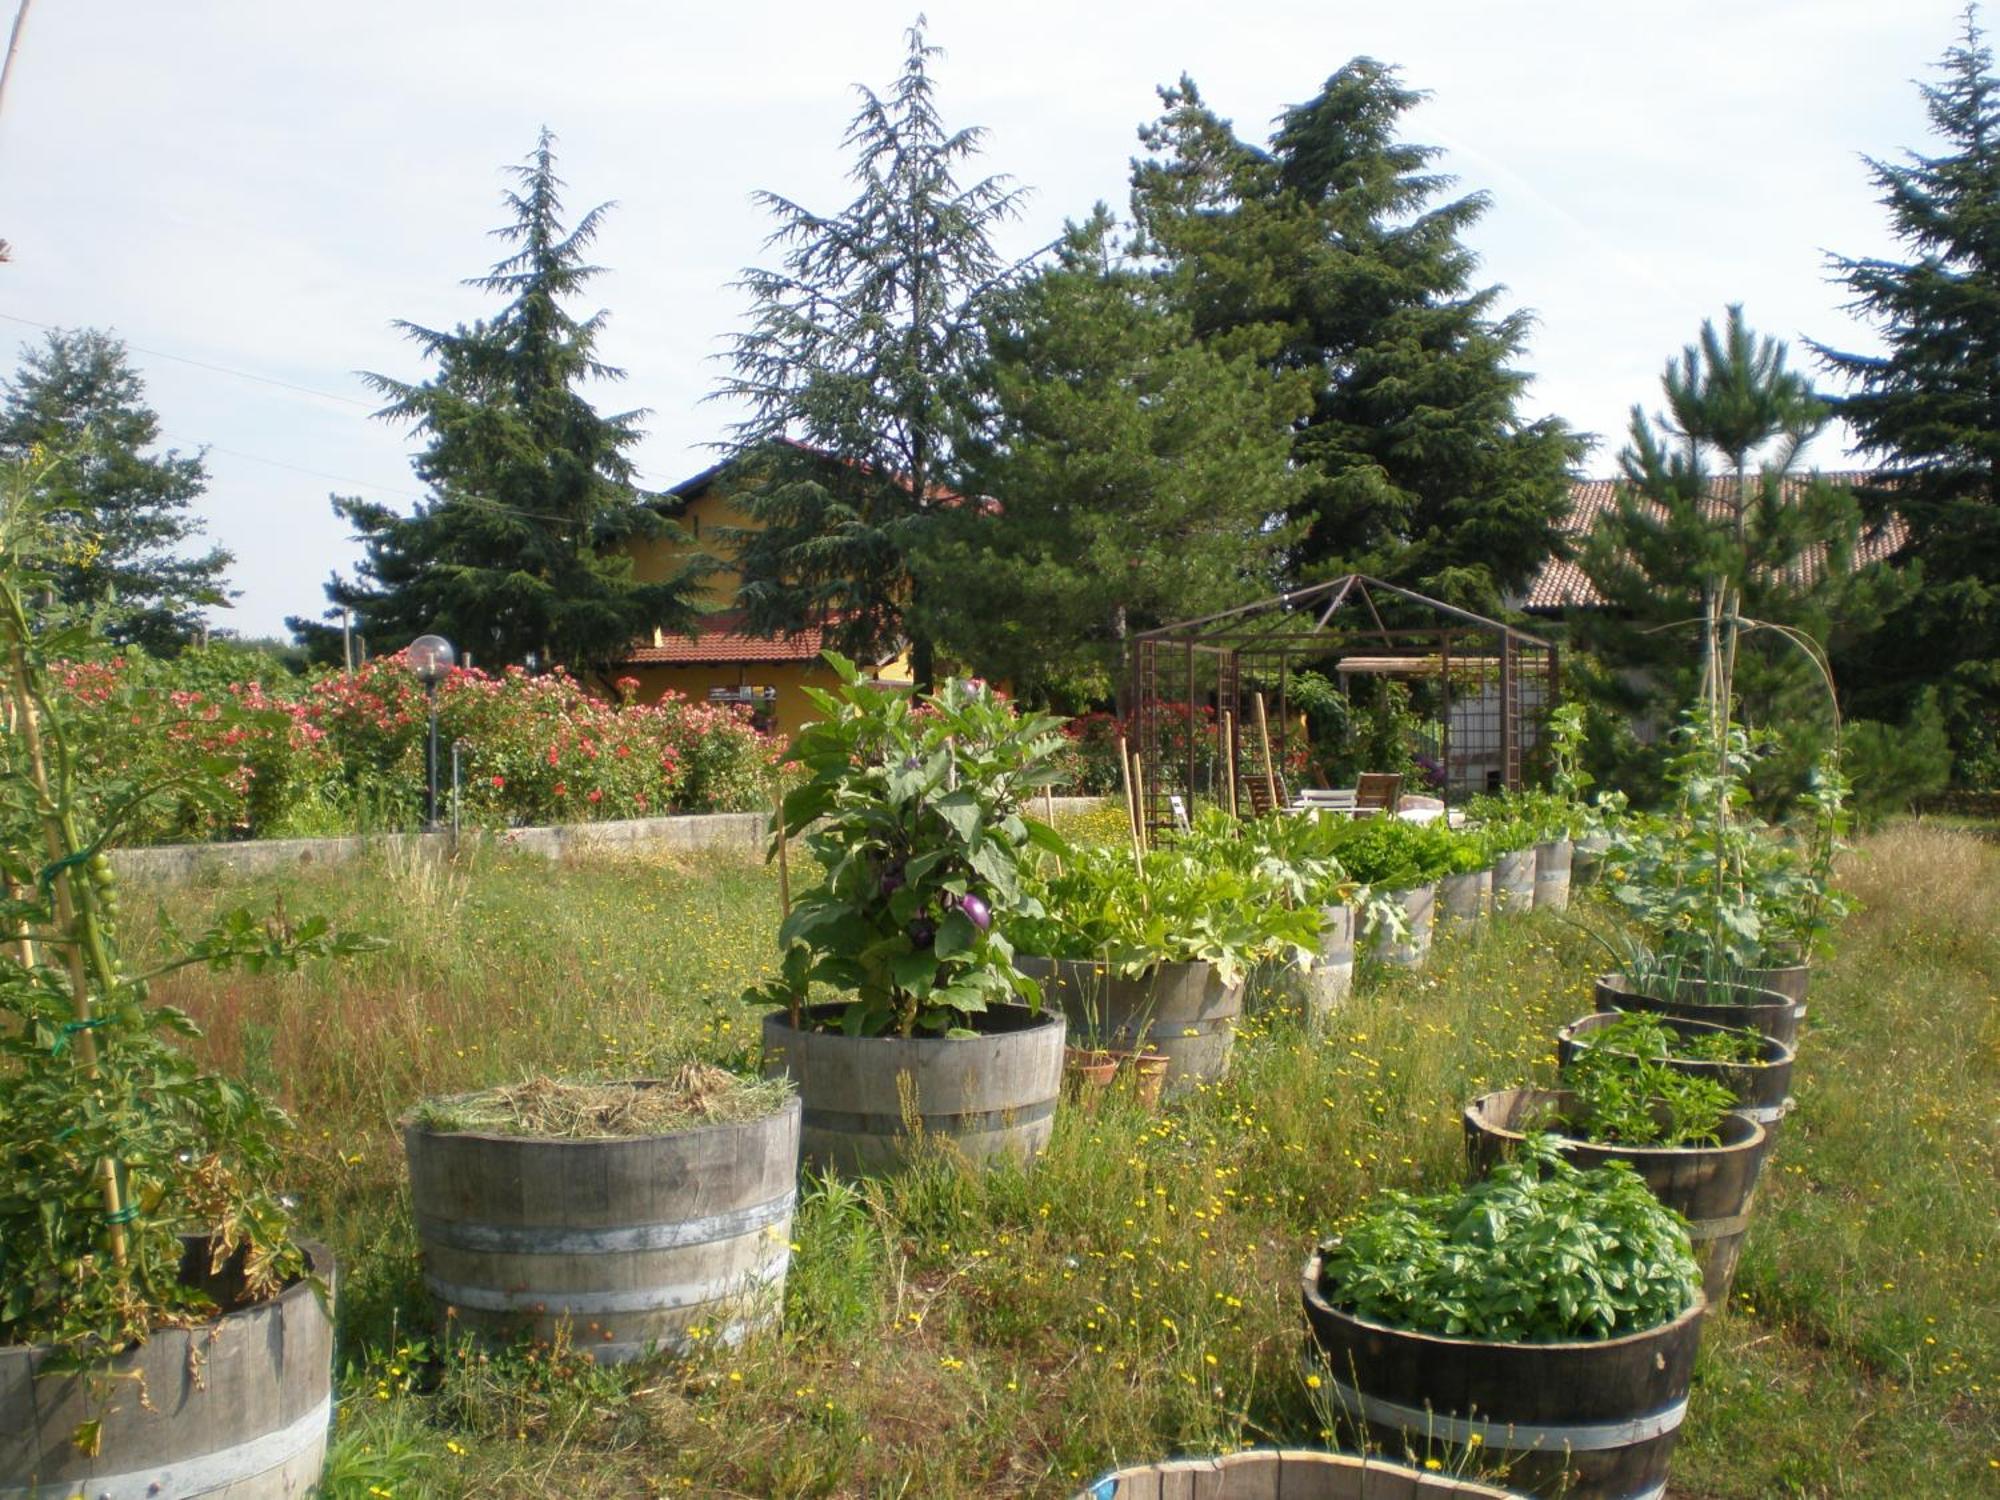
(430, 657)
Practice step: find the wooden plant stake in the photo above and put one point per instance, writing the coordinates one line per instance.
(1229, 759)
(1264, 738)
(1125, 781)
(784, 863)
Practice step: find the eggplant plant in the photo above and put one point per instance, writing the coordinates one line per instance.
(912, 807)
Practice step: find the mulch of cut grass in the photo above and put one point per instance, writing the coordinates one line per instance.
(1136, 1294)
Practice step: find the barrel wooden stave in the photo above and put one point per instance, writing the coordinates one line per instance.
(1514, 880)
(630, 1241)
(236, 1407)
(1580, 1386)
(990, 1096)
(1332, 978)
(1465, 897)
(1744, 1007)
(1713, 1187)
(1285, 1474)
(1183, 1011)
(1553, 860)
(1419, 904)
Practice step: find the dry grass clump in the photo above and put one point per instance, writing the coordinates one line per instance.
(695, 1093)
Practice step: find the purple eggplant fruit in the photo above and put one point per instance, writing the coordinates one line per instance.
(977, 912)
(922, 930)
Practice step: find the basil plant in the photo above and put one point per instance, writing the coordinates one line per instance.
(912, 806)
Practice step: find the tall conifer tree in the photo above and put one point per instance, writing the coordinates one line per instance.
(862, 347)
(1419, 467)
(128, 513)
(518, 554)
(1928, 409)
(1141, 476)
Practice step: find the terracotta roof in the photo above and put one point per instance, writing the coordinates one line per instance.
(1561, 584)
(725, 640)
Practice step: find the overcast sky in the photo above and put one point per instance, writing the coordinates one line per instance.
(265, 186)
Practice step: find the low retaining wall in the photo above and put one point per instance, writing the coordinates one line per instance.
(742, 833)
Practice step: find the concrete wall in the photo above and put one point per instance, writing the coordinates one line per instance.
(741, 833)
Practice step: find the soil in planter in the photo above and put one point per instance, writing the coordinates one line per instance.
(695, 1093)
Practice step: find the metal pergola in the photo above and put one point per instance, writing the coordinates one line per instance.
(1489, 686)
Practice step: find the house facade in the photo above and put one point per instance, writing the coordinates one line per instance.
(722, 662)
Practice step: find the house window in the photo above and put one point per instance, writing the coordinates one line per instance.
(763, 703)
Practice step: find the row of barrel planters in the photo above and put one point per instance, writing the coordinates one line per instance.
(1463, 1322)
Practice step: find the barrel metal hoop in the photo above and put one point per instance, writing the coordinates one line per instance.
(555, 1239)
(1701, 1230)
(972, 1122)
(557, 1304)
(1582, 1437)
(1766, 1114)
(199, 1474)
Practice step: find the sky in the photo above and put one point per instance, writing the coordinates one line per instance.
(256, 188)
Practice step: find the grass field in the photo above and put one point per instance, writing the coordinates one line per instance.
(1135, 1295)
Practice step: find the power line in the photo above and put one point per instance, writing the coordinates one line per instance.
(202, 364)
(454, 497)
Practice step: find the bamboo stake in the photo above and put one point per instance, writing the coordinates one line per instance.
(1125, 780)
(784, 863)
(1049, 817)
(1229, 759)
(69, 922)
(1264, 738)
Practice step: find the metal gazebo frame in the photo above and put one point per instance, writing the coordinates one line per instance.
(1496, 683)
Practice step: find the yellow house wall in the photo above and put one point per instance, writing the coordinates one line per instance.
(657, 559)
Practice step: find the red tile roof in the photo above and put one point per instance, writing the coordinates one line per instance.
(724, 640)
(1561, 584)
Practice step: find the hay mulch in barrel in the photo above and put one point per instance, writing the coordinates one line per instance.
(694, 1093)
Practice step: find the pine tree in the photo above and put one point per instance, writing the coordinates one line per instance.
(129, 513)
(1419, 467)
(1928, 409)
(857, 372)
(1719, 547)
(1138, 475)
(517, 556)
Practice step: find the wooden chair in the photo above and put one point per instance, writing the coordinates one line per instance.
(1256, 795)
(1377, 791)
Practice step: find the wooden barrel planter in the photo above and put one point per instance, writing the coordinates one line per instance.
(1464, 897)
(1789, 980)
(1586, 864)
(1514, 880)
(1183, 1011)
(238, 1406)
(1763, 1092)
(1712, 1187)
(1593, 1420)
(1331, 980)
(1736, 1005)
(1553, 858)
(869, 1099)
(1419, 905)
(1284, 1474)
(627, 1242)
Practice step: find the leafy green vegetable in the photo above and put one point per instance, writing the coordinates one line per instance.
(1624, 1099)
(1538, 1252)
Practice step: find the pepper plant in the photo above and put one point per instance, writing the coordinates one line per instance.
(1538, 1251)
(115, 1144)
(913, 808)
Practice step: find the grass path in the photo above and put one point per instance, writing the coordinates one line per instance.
(1136, 1294)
